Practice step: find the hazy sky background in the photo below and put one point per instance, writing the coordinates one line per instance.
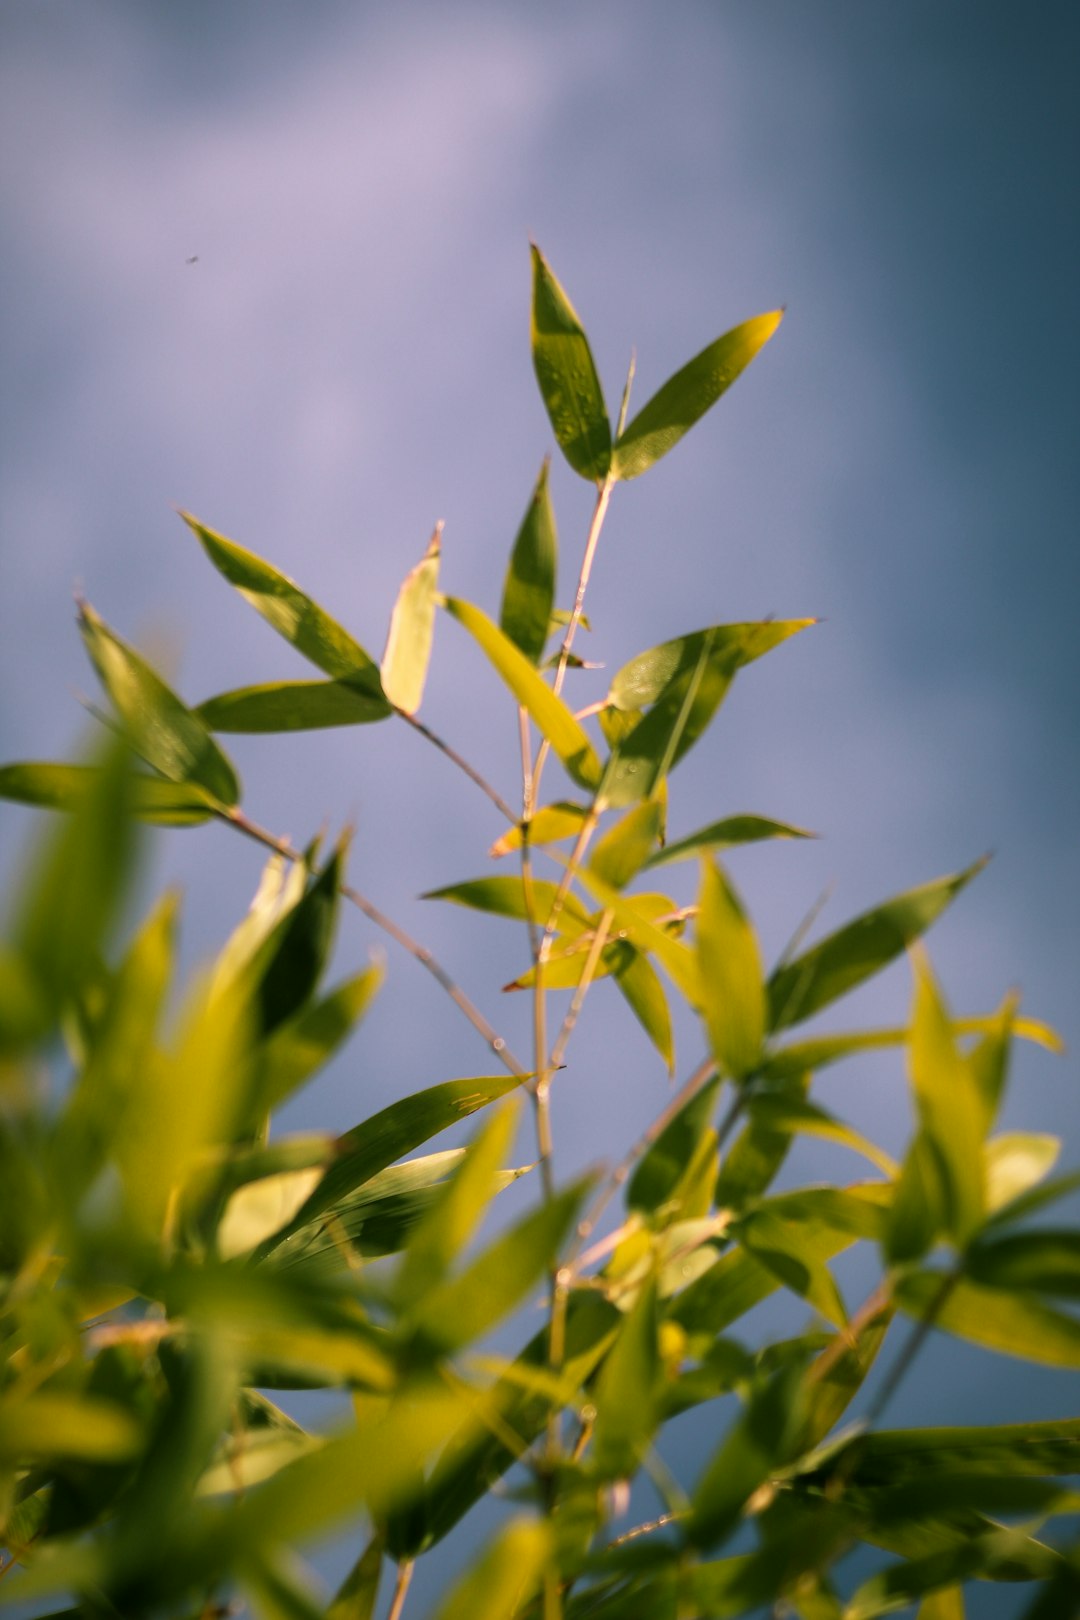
(348, 362)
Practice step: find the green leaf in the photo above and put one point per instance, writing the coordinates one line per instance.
(291, 612)
(505, 897)
(165, 732)
(1045, 1262)
(1006, 1450)
(724, 834)
(1013, 1323)
(950, 1105)
(396, 1130)
(529, 590)
(554, 720)
(637, 980)
(289, 963)
(947, 1603)
(858, 950)
(548, 826)
(567, 376)
(623, 850)
(792, 1255)
(758, 1441)
(661, 1168)
(796, 1114)
(358, 1594)
(43, 1425)
(412, 629)
(645, 678)
(460, 1310)
(65, 787)
(686, 396)
(300, 1046)
(834, 1379)
(1030, 1166)
(625, 1392)
(632, 923)
(451, 1221)
(640, 762)
(920, 1211)
(506, 1574)
(293, 706)
(732, 981)
(808, 1056)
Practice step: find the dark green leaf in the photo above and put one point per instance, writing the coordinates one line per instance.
(920, 1211)
(758, 1441)
(554, 720)
(1016, 1324)
(289, 610)
(567, 376)
(858, 950)
(625, 1392)
(291, 960)
(412, 629)
(293, 706)
(661, 1168)
(686, 396)
(299, 1047)
(165, 732)
(1045, 1262)
(358, 1594)
(729, 968)
(530, 580)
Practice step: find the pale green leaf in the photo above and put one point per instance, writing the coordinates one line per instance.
(412, 629)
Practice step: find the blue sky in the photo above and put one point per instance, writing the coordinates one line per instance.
(348, 362)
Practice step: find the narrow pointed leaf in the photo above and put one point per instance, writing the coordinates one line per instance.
(548, 826)
(358, 1594)
(730, 974)
(675, 958)
(554, 720)
(1015, 1324)
(796, 1114)
(529, 591)
(755, 1445)
(686, 396)
(1029, 1163)
(505, 897)
(505, 1576)
(292, 706)
(640, 762)
(1045, 1262)
(809, 1056)
(621, 853)
(950, 1103)
(65, 787)
(625, 1392)
(412, 629)
(567, 376)
(641, 988)
(644, 679)
(299, 1047)
(168, 735)
(793, 1257)
(724, 834)
(291, 612)
(661, 1168)
(920, 1210)
(858, 950)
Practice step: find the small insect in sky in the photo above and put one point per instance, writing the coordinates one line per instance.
(193, 260)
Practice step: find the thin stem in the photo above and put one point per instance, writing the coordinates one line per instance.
(494, 1040)
(462, 764)
(401, 1588)
(592, 961)
(913, 1345)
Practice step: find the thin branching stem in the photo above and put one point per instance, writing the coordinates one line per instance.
(484, 1029)
(462, 764)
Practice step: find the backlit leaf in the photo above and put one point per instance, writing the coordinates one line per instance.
(65, 787)
(1016, 1324)
(502, 1579)
(686, 396)
(412, 628)
(730, 973)
(724, 834)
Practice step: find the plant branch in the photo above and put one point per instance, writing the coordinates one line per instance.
(462, 764)
(494, 1040)
(401, 1589)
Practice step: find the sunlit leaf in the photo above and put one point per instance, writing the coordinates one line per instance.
(567, 376)
(645, 678)
(686, 396)
(291, 612)
(624, 1394)
(730, 972)
(624, 849)
(530, 580)
(550, 824)
(951, 1107)
(503, 1577)
(637, 980)
(412, 628)
(858, 950)
(293, 706)
(45, 1425)
(793, 1256)
(554, 720)
(1016, 1161)
(1016, 1324)
(168, 735)
(796, 1114)
(506, 897)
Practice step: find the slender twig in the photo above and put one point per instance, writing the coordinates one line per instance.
(462, 764)
(912, 1346)
(494, 1040)
(592, 962)
(401, 1588)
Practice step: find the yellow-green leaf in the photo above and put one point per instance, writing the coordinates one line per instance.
(412, 629)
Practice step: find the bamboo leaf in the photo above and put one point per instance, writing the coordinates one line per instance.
(952, 1110)
(567, 376)
(554, 720)
(291, 612)
(645, 678)
(723, 835)
(730, 973)
(293, 706)
(505, 897)
(797, 1115)
(300, 1045)
(858, 950)
(164, 730)
(686, 396)
(65, 787)
(412, 629)
(631, 921)
(548, 826)
(661, 1168)
(1014, 1324)
(529, 591)
(757, 1442)
(625, 1392)
(623, 850)
(637, 980)
(792, 1255)
(44, 1425)
(504, 1577)
(1045, 1262)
